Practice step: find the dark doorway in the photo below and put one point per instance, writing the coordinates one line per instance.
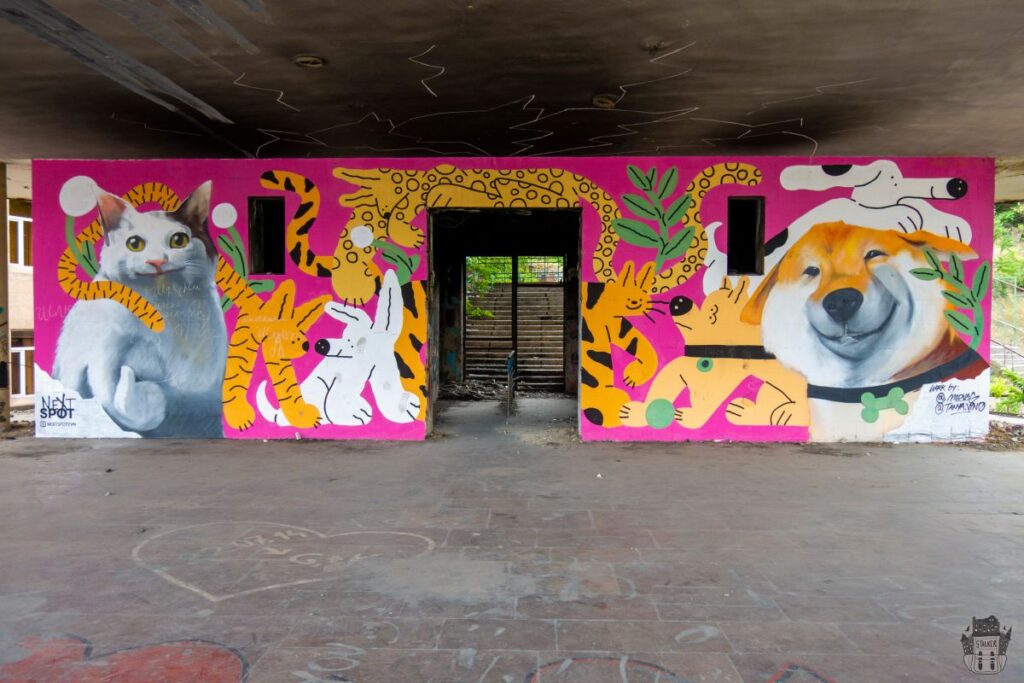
(530, 258)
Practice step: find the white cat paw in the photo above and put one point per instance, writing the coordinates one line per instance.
(138, 406)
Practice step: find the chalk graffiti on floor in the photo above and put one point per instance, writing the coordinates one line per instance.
(262, 556)
(603, 669)
(73, 660)
(793, 672)
(329, 667)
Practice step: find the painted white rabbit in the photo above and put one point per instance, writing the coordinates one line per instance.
(364, 353)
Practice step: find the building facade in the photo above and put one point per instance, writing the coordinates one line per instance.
(750, 299)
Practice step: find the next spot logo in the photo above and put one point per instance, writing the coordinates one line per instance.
(56, 406)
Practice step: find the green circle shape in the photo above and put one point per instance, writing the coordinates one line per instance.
(660, 413)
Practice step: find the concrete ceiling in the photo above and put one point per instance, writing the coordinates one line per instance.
(141, 78)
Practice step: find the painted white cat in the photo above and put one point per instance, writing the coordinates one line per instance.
(364, 353)
(155, 384)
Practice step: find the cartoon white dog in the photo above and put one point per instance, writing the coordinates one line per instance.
(364, 353)
(880, 198)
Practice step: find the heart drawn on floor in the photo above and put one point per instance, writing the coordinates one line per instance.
(223, 560)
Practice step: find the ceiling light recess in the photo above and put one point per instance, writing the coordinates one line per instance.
(309, 61)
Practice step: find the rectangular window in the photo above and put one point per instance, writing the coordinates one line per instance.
(745, 236)
(19, 240)
(541, 269)
(22, 363)
(266, 235)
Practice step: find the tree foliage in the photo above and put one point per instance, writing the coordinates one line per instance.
(1008, 234)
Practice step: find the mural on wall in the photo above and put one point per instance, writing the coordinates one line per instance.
(868, 321)
(147, 286)
(677, 235)
(364, 354)
(721, 351)
(146, 339)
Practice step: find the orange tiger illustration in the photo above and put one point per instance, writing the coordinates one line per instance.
(277, 328)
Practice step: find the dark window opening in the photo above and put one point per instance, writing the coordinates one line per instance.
(745, 236)
(266, 235)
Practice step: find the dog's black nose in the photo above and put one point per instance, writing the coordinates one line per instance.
(305, 346)
(680, 305)
(836, 169)
(322, 346)
(957, 187)
(842, 304)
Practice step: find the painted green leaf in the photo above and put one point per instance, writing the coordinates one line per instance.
(404, 271)
(652, 177)
(925, 274)
(677, 209)
(933, 259)
(960, 322)
(637, 177)
(404, 266)
(678, 244)
(668, 183)
(80, 256)
(225, 245)
(261, 285)
(957, 299)
(91, 265)
(636, 233)
(397, 258)
(640, 206)
(234, 251)
(956, 268)
(981, 280)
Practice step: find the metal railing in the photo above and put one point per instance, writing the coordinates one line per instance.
(1008, 335)
(511, 369)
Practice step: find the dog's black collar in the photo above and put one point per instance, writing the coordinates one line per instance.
(747, 352)
(936, 374)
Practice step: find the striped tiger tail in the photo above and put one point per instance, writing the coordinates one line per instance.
(297, 231)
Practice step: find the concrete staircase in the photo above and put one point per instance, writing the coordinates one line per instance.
(540, 337)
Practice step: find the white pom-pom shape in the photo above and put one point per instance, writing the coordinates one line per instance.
(78, 195)
(224, 215)
(362, 236)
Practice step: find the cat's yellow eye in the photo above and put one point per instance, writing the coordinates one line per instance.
(135, 243)
(179, 240)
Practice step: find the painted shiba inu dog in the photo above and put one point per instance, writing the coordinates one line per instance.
(843, 309)
(721, 352)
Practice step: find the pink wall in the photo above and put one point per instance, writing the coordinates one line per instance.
(233, 181)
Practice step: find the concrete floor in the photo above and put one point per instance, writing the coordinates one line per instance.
(506, 554)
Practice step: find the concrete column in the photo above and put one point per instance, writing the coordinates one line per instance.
(5, 328)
